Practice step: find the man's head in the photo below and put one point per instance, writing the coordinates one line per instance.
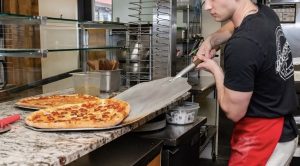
(224, 10)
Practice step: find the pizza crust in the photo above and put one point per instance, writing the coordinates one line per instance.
(58, 100)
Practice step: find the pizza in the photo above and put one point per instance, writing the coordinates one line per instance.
(55, 100)
(105, 113)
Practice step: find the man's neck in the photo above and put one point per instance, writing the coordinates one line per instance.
(246, 9)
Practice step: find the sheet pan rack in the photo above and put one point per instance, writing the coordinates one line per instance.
(156, 14)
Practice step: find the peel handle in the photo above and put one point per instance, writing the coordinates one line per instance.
(197, 62)
(9, 120)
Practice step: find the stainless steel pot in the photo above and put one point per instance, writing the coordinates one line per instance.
(137, 67)
(110, 80)
(139, 52)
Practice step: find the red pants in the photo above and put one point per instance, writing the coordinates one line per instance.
(253, 140)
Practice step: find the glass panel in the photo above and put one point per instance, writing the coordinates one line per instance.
(25, 39)
(103, 10)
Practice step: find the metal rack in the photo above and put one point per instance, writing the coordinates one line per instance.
(139, 57)
(152, 25)
(13, 44)
(192, 26)
(162, 41)
(139, 61)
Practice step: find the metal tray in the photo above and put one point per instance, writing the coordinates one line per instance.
(5, 129)
(77, 129)
(27, 108)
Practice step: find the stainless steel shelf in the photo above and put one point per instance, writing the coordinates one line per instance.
(29, 53)
(105, 24)
(8, 18)
(39, 53)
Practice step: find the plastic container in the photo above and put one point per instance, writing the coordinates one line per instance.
(86, 83)
(184, 114)
(108, 80)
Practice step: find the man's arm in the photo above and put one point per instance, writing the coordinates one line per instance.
(233, 103)
(212, 42)
(222, 35)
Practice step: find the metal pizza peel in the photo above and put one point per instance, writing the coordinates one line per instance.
(148, 97)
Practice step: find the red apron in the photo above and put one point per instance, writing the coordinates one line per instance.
(253, 140)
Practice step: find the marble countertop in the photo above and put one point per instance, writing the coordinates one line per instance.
(22, 146)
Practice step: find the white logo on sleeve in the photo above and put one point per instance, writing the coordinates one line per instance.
(284, 65)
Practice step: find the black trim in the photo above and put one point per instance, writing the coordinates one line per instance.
(42, 82)
(84, 10)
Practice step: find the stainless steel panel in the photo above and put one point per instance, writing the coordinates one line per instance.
(164, 38)
(283, 1)
(291, 30)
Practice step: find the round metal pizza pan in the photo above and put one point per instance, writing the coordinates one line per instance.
(77, 129)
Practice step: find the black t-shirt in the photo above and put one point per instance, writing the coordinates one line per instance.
(258, 58)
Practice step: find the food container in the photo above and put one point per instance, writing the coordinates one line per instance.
(110, 80)
(136, 68)
(86, 83)
(184, 114)
(107, 80)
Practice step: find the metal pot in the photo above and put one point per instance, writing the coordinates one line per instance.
(137, 67)
(139, 52)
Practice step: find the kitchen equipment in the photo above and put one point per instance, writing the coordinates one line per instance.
(184, 114)
(181, 33)
(103, 80)
(192, 65)
(139, 52)
(145, 98)
(4, 123)
(5, 129)
(3, 73)
(137, 67)
(181, 143)
(157, 123)
(86, 83)
(161, 15)
(110, 80)
(187, 69)
(288, 12)
(103, 64)
(128, 150)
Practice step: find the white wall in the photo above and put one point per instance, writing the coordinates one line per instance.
(56, 8)
(57, 35)
(209, 26)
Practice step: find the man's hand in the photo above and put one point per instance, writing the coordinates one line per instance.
(212, 43)
(206, 49)
(208, 64)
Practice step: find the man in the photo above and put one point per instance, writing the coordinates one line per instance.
(257, 89)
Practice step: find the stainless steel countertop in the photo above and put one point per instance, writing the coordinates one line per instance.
(202, 83)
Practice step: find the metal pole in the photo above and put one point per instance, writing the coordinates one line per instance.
(83, 42)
